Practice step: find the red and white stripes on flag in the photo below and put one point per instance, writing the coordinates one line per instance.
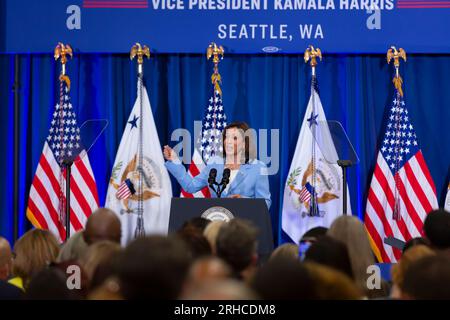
(402, 191)
(304, 195)
(46, 202)
(195, 167)
(124, 191)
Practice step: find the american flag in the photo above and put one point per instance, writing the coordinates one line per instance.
(46, 203)
(305, 193)
(125, 190)
(214, 120)
(402, 191)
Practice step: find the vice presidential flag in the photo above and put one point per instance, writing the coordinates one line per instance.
(402, 191)
(123, 191)
(313, 191)
(46, 203)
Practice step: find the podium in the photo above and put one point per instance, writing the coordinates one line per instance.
(254, 210)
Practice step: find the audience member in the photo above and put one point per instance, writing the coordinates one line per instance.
(414, 242)
(331, 284)
(7, 290)
(153, 267)
(228, 289)
(398, 270)
(437, 229)
(102, 224)
(352, 233)
(427, 279)
(205, 270)
(284, 279)
(50, 284)
(332, 253)
(197, 223)
(196, 242)
(236, 245)
(98, 254)
(211, 231)
(34, 251)
(287, 250)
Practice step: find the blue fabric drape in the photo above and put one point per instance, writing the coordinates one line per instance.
(268, 92)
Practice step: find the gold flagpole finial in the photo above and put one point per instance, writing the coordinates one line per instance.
(217, 53)
(62, 51)
(312, 54)
(394, 54)
(140, 52)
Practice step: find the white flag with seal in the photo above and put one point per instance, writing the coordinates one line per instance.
(313, 190)
(125, 187)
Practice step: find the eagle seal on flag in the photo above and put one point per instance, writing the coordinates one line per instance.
(326, 188)
(130, 181)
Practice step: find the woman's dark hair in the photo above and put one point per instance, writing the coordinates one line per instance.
(249, 144)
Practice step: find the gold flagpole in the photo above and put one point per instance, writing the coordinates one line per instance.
(140, 52)
(61, 52)
(394, 54)
(217, 53)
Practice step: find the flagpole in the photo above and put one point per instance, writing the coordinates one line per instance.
(311, 55)
(62, 51)
(140, 52)
(394, 54)
(217, 53)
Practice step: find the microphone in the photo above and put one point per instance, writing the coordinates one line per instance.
(225, 177)
(212, 180)
(225, 180)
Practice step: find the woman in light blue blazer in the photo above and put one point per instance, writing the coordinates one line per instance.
(248, 176)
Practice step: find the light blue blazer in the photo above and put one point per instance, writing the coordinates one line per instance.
(251, 181)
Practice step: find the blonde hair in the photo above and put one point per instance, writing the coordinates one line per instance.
(211, 231)
(288, 250)
(34, 251)
(411, 255)
(353, 234)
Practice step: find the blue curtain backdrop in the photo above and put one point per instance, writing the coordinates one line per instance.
(268, 92)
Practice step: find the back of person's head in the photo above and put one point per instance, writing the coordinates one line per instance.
(236, 244)
(196, 242)
(34, 251)
(97, 254)
(197, 223)
(428, 278)
(284, 279)
(437, 228)
(50, 284)
(5, 259)
(332, 253)
(411, 255)
(102, 224)
(74, 248)
(226, 289)
(286, 250)
(205, 270)
(153, 267)
(415, 242)
(211, 231)
(314, 233)
(353, 234)
(331, 284)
